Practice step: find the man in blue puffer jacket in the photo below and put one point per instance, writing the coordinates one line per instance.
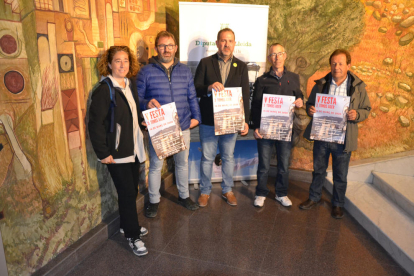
(162, 81)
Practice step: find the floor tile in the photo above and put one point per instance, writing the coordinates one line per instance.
(288, 262)
(115, 258)
(247, 253)
(216, 226)
(170, 218)
(168, 264)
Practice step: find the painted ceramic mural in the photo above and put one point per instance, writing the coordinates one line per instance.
(52, 189)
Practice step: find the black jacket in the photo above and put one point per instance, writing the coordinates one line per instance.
(208, 72)
(103, 141)
(288, 85)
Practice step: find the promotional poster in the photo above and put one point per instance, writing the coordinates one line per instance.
(228, 110)
(277, 117)
(164, 130)
(329, 121)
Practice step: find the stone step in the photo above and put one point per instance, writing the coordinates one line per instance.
(397, 188)
(386, 222)
(361, 170)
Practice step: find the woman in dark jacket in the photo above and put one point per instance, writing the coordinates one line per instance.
(116, 136)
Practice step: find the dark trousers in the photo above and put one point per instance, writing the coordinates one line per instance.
(340, 165)
(126, 178)
(264, 149)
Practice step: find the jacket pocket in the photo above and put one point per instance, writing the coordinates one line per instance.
(118, 136)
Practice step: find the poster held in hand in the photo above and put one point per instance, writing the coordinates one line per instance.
(228, 110)
(330, 118)
(277, 117)
(164, 130)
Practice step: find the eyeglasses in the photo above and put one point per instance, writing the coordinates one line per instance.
(277, 54)
(168, 47)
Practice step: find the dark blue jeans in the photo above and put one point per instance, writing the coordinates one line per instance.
(340, 165)
(264, 148)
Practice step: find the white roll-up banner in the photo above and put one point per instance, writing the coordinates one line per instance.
(199, 25)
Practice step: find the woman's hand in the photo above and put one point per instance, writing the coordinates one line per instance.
(108, 160)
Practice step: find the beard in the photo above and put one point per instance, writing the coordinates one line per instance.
(164, 59)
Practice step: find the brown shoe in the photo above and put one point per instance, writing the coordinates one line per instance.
(308, 204)
(203, 200)
(337, 212)
(230, 198)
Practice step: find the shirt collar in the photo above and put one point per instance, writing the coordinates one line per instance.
(344, 83)
(116, 84)
(273, 73)
(220, 57)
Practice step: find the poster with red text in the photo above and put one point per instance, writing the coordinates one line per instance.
(277, 117)
(228, 110)
(164, 130)
(329, 121)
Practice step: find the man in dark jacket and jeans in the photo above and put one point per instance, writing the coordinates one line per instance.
(220, 70)
(278, 81)
(339, 82)
(162, 81)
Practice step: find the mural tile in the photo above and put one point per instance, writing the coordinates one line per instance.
(74, 139)
(71, 114)
(47, 117)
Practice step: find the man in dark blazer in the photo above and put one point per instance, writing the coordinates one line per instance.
(216, 72)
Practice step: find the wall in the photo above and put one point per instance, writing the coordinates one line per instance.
(52, 189)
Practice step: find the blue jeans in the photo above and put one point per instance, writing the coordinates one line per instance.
(340, 165)
(209, 142)
(283, 149)
(181, 171)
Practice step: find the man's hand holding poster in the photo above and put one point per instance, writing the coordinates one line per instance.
(228, 110)
(164, 130)
(277, 117)
(330, 119)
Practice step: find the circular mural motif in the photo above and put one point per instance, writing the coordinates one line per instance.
(14, 82)
(65, 63)
(8, 44)
(301, 62)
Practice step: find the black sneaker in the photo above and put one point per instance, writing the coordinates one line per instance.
(138, 247)
(151, 211)
(188, 203)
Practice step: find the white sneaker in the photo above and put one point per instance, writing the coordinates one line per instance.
(284, 200)
(144, 231)
(259, 201)
(138, 247)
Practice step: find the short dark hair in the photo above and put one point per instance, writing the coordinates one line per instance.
(340, 52)
(164, 34)
(275, 44)
(225, 30)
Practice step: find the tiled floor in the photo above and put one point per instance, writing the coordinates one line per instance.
(224, 240)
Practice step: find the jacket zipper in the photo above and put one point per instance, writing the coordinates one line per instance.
(169, 81)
